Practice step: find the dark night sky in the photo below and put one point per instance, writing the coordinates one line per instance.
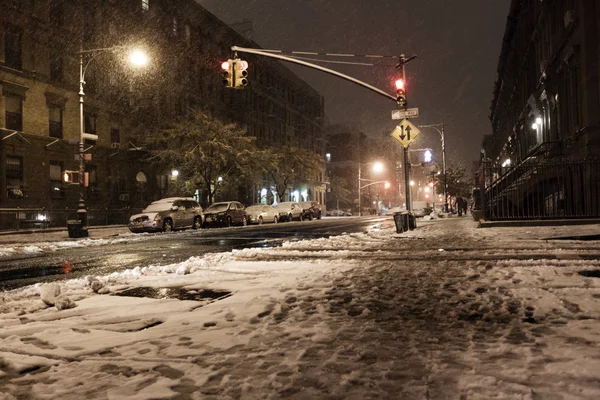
(457, 43)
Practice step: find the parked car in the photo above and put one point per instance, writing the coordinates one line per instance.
(226, 213)
(312, 209)
(261, 213)
(289, 211)
(168, 214)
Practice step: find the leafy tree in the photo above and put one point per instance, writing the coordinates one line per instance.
(289, 166)
(457, 180)
(204, 149)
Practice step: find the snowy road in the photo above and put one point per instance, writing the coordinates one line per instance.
(447, 311)
(44, 257)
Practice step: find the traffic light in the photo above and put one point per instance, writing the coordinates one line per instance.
(241, 74)
(400, 93)
(227, 67)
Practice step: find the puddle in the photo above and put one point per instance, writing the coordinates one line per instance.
(592, 273)
(581, 237)
(175, 293)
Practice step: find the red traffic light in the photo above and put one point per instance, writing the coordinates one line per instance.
(400, 84)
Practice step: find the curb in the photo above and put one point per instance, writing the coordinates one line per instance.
(536, 222)
(50, 230)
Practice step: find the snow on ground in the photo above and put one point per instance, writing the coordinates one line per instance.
(445, 311)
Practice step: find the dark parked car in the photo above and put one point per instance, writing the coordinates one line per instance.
(168, 214)
(226, 213)
(312, 209)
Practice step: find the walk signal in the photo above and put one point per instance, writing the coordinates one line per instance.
(241, 74)
(400, 93)
(227, 67)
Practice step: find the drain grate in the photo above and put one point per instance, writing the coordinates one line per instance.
(592, 273)
(175, 293)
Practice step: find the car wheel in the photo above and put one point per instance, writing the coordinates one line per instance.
(309, 217)
(229, 221)
(197, 223)
(260, 220)
(168, 225)
(290, 217)
(275, 220)
(319, 216)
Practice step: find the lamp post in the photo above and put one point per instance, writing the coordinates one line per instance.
(441, 132)
(377, 167)
(137, 58)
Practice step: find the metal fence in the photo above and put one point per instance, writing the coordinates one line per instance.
(550, 189)
(41, 218)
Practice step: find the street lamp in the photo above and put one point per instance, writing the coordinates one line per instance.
(441, 132)
(136, 58)
(377, 167)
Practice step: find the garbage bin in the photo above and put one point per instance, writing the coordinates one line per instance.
(76, 229)
(401, 219)
(412, 221)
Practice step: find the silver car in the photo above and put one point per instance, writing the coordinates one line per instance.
(289, 211)
(168, 214)
(261, 213)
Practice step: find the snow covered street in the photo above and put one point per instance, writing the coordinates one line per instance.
(447, 311)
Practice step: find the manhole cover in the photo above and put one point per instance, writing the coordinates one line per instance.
(175, 293)
(593, 273)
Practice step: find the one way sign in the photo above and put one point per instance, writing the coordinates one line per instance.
(405, 132)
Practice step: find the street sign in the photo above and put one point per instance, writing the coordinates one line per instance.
(408, 113)
(405, 132)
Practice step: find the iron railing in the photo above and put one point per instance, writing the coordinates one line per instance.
(542, 189)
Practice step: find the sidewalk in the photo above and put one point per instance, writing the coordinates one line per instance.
(447, 311)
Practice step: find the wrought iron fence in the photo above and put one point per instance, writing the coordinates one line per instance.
(41, 218)
(548, 189)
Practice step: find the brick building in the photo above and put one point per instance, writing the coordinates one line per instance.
(40, 42)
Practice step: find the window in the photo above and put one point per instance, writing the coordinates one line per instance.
(188, 34)
(55, 121)
(56, 12)
(14, 111)
(12, 47)
(115, 133)
(90, 123)
(56, 69)
(145, 5)
(56, 186)
(14, 177)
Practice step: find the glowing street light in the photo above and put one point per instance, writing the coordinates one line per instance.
(137, 58)
(377, 168)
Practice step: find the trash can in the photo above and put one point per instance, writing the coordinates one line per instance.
(76, 229)
(412, 221)
(401, 219)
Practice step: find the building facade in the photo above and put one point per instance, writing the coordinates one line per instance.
(40, 42)
(546, 109)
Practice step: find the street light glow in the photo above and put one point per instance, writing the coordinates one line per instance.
(378, 167)
(138, 58)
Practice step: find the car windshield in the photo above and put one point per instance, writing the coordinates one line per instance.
(254, 209)
(159, 206)
(283, 205)
(218, 207)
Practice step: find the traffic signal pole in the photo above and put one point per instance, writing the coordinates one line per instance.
(401, 65)
(270, 54)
